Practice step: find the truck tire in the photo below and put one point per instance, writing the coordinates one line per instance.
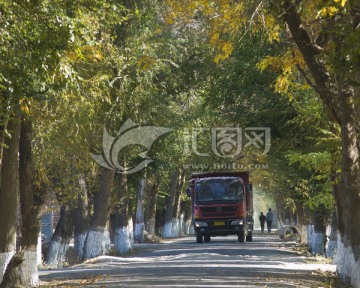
(207, 238)
(249, 237)
(199, 238)
(241, 236)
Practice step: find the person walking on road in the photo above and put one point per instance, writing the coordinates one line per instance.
(269, 219)
(262, 219)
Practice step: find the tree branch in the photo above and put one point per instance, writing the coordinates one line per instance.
(355, 13)
(318, 72)
(307, 79)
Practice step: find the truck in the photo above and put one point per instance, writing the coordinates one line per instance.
(221, 205)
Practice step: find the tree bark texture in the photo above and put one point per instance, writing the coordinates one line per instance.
(4, 118)
(123, 226)
(60, 240)
(318, 242)
(139, 221)
(9, 186)
(82, 220)
(177, 218)
(151, 213)
(170, 202)
(94, 240)
(32, 199)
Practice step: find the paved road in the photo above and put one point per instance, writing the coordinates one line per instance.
(224, 262)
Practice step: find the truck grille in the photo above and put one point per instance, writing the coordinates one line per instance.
(219, 211)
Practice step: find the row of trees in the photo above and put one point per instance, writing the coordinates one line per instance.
(72, 69)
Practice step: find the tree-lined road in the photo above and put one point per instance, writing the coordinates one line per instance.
(224, 262)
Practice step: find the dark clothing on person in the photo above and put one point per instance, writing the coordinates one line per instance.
(269, 220)
(262, 219)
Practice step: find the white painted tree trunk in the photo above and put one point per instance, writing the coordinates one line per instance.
(346, 265)
(54, 248)
(331, 244)
(5, 258)
(106, 242)
(29, 276)
(167, 230)
(175, 228)
(123, 239)
(39, 250)
(79, 244)
(192, 230)
(131, 233)
(58, 251)
(189, 227)
(182, 225)
(139, 223)
(315, 241)
(139, 231)
(94, 244)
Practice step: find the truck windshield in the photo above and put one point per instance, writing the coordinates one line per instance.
(220, 189)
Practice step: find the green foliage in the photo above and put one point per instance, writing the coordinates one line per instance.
(86, 66)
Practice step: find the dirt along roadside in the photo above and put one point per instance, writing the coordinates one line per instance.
(224, 262)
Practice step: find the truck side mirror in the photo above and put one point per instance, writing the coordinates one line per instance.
(188, 192)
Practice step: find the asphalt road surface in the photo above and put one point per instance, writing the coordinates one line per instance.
(224, 262)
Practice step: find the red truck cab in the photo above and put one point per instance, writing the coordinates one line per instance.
(222, 204)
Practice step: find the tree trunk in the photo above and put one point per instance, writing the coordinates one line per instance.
(342, 104)
(81, 221)
(151, 213)
(32, 199)
(123, 226)
(331, 246)
(60, 240)
(94, 243)
(8, 194)
(280, 211)
(11, 276)
(139, 222)
(318, 239)
(170, 202)
(4, 115)
(303, 220)
(348, 204)
(177, 221)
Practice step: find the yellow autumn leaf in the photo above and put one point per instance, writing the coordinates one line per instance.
(145, 62)
(323, 11)
(227, 48)
(332, 10)
(342, 2)
(24, 107)
(329, 11)
(98, 56)
(214, 38)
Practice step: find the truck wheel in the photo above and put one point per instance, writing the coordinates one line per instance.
(206, 238)
(241, 237)
(249, 237)
(199, 238)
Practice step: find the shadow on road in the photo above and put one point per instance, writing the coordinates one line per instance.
(224, 262)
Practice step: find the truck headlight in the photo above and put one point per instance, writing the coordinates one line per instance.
(201, 224)
(237, 222)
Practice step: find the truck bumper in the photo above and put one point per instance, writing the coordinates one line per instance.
(221, 227)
